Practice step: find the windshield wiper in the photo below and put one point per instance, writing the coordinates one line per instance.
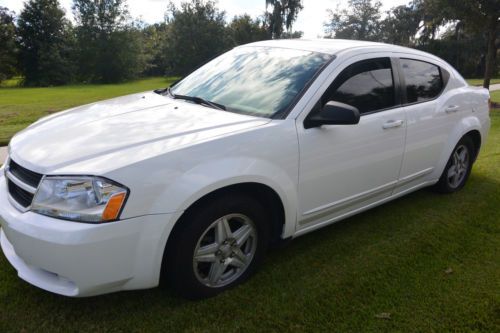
(197, 100)
(194, 99)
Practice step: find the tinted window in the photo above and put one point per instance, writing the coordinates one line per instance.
(259, 81)
(423, 80)
(367, 85)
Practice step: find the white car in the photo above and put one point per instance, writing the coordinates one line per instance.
(267, 142)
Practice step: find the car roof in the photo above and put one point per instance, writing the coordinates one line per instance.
(331, 46)
(337, 46)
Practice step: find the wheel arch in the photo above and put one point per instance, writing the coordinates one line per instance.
(470, 126)
(475, 135)
(263, 193)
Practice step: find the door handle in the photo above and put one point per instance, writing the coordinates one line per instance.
(451, 108)
(392, 124)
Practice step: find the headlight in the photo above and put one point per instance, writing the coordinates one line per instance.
(84, 199)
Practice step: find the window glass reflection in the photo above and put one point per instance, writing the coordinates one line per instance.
(423, 80)
(259, 81)
(367, 85)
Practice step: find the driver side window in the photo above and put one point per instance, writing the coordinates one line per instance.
(367, 85)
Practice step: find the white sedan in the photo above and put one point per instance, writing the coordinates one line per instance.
(267, 142)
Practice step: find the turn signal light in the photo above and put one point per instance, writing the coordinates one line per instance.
(113, 207)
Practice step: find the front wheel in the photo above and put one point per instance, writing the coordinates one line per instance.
(458, 168)
(218, 245)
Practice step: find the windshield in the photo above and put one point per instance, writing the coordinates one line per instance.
(258, 81)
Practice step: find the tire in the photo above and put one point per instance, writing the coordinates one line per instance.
(224, 258)
(457, 169)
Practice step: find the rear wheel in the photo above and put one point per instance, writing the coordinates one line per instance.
(458, 168)
(217, 246)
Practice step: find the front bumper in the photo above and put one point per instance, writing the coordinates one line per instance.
(79, 259)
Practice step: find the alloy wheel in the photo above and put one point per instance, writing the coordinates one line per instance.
(459, 166)
(225, 250)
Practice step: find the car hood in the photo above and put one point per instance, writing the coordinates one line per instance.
(105, 127)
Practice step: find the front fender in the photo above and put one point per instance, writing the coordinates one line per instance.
(212, 175)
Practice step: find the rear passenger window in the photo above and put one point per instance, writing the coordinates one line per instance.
(423, 80)
(367, 85)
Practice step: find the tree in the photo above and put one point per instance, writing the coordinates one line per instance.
(109, 47)
(8, 48)
(283, 15)
(462, 48)
(402, 23)
(153, 41)
(292, 35)
(243, 29)
(196, 33)
(361, 20)
(479, 15)
(44, 44)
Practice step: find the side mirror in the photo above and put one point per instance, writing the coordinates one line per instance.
(333, 113)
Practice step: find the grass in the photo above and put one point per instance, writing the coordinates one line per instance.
(11, 83)
(479, 82)
(20, 107)
(430, 261)
(495, 96)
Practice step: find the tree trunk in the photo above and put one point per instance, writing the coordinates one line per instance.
(492, 51)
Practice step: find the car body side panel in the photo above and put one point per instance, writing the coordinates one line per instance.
(173, 182)
(474, 118)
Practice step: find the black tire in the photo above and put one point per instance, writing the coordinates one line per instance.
(179, 266)
(445, 184)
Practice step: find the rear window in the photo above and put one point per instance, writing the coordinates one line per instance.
(423, 80)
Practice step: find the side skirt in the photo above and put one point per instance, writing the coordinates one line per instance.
(322, 224)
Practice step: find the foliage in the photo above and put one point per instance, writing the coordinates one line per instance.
(196, 33)
(477, 15)
(154, 40)
(462, 48)
(243, 29)
(402, 23)
(8, 50)
(109, 48)
(467, 44)
(45, 44)
(282, 16)
(291, 34)
(360, 20)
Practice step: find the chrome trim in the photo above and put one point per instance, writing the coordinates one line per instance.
(20, 183)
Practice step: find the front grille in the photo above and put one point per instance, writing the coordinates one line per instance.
(22, 197)
(21, 184)
(26, 176)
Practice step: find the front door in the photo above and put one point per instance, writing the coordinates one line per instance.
(344, 168)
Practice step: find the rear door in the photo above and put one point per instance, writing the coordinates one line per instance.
(428, 120)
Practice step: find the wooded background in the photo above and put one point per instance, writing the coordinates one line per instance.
(104, 44)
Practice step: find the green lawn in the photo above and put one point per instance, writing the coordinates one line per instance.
(19, 107)
(430, 261)
(495, 96)
(479, 82)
